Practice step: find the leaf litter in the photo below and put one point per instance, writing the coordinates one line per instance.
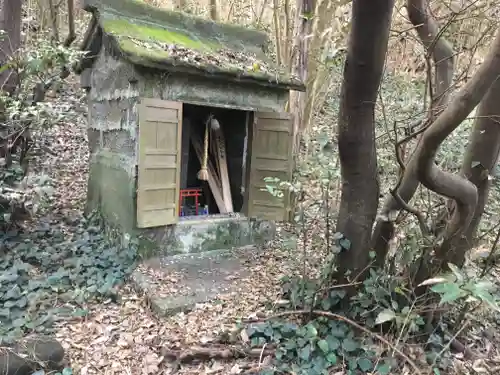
(123, 336)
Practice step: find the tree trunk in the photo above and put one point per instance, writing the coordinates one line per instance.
(442, 54)
(455, 187)
(287, 33)
(10, 22)
(54, 20)
(317, 71)
(356, 131)
(214, 10)
(43, 13)
(479, 162)
(277, 31)
(306, 13)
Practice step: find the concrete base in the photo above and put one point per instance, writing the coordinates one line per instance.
(177, 283)
(209, 233)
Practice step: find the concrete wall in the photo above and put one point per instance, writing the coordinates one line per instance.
(116, 88)
(112, 133)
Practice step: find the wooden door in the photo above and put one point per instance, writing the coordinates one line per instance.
(272, 146)
(159, 163)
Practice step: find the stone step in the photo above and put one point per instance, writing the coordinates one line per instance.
(204, 234)
(177, 283)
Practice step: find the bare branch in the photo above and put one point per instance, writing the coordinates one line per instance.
(462, 191)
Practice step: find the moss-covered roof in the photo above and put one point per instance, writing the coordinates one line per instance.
(174, 41)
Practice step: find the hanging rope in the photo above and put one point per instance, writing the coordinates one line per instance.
(203, 173)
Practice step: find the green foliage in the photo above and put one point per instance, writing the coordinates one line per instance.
(457, 286)
(23, 119)
(21, 196)
(386, 300)
(314, 344)
(314, 347)
(41, 272)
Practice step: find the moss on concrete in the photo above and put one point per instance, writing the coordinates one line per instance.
(126, 28)
(111, 190)
(143, 35)
(200, 236)
(232, 36)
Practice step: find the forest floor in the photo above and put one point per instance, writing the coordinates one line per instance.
(123, 336)
(126, 337)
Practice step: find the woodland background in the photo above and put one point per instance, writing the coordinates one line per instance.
(397, 192)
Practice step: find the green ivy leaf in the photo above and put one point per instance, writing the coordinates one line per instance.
(349, 345)
(326, 304)
(352, 363)
(337, 330)
(305, 352)
(384, 369)
(311, 330)
(345, 243)
(13, 293)
(385, 315)
(331, 358)
(290, 344)
(333, 342)
(323, 345)
(9, 304)
(4, 313)
(18, 323)
(365, 364)
(450, 292)
(22, 302)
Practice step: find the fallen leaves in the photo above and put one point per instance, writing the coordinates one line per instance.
(224, 58)
(126, 338)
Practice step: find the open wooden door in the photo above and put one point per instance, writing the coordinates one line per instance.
(272, 147)
(158, 180)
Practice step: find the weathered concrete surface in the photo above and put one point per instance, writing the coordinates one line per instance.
(116, 89)
(177, 283)
(111, 190)
(143, 34)
(205, 234)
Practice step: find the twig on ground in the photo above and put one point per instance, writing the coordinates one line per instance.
(262, 354)
(447, 346)
(207, 354)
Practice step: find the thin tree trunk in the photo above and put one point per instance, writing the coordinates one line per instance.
(356, 131)
(214, 10)
(479, 162)
(258, 21)
(288, 34)
(299, 62)
(317, 71)
(10, 22)
(442, 54)
(54, 21)
(277, 31)
(452, 186)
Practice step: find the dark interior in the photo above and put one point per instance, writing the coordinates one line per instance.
(234, 127)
